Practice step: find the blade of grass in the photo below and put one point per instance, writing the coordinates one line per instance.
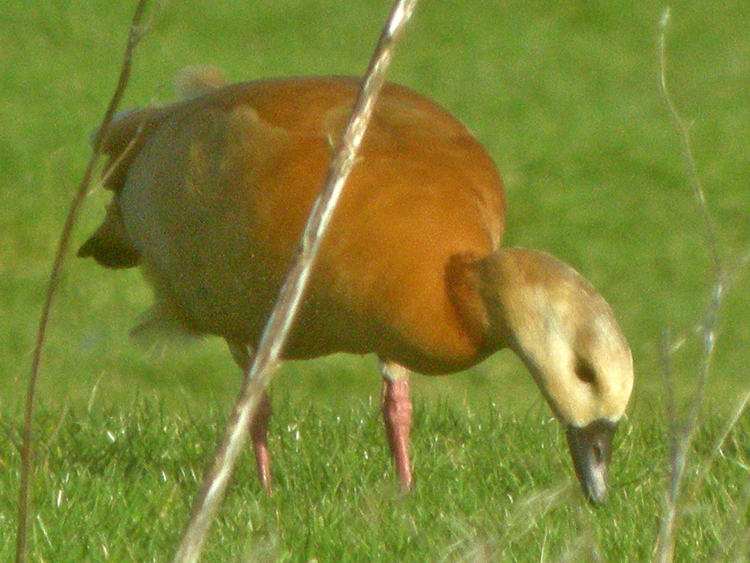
(27, 458)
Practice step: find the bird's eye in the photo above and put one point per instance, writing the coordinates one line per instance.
(585, 371)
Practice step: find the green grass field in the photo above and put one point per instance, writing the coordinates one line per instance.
(116, 485)
(565, 97)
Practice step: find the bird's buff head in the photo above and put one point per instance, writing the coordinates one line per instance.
(566, 334)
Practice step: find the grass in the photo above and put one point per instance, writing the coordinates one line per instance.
(480, 496)
(564, 95)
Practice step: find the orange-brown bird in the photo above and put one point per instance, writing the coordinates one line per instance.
(211, 195)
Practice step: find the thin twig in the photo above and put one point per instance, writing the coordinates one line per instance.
(27, 458)
(719, 443)
(683, 128)
(684, 431)
(274, 336)
(730, 275)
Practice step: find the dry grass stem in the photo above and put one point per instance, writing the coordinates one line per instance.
(719, 443)
(683, 429)
(271, 344)
(137, 31)
(683, 127)
(734, 540)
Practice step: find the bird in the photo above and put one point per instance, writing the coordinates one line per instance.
(211, 192)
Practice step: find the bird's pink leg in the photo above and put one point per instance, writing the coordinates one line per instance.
(259, 436)
(397, 412)
(259, 425)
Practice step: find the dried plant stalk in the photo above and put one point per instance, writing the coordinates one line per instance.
(274, 336)
(682, 431)
(137, 31)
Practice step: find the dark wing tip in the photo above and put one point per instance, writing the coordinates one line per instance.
(109, 254)
(110, 245)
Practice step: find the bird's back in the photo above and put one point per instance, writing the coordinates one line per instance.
(214, 193)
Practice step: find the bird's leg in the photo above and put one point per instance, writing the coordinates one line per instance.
(259, 435)
(396, 407)
(259, 424)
